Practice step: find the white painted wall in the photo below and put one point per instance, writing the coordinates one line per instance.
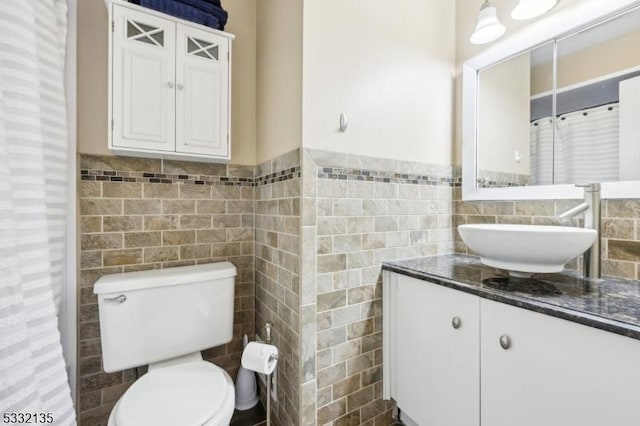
(389, 67)
(503, 114)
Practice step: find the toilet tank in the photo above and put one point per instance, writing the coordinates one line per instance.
(156, 315)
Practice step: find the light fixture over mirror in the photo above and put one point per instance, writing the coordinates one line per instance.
(528, 9)
(488, 27)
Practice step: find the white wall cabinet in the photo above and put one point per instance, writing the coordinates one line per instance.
(550, 371)
(169, 89)
(433, 357)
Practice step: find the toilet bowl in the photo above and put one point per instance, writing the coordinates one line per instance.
(196, 393)
(163, 319)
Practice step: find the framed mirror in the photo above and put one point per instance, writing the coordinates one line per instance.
(556, 105)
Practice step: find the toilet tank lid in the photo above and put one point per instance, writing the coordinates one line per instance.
(116, 283)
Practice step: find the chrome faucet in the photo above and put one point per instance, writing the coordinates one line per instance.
(591, 209)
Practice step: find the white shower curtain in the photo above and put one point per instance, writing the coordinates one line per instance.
(33, 198)
(586, 147)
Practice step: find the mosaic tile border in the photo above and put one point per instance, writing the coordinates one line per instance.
(147, 177)
(351, 174)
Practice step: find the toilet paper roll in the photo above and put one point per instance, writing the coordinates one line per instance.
(260, 357)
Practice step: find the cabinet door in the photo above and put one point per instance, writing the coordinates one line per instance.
(556, 372)
(143, 81)
(434, 367)
(202, 72)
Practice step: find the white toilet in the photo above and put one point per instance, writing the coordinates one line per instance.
(164, 318)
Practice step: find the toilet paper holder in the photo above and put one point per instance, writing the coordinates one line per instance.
(272, 358)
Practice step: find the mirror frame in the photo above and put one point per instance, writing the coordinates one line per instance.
(557, 25)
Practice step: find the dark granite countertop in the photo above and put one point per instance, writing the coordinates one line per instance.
(608, 304)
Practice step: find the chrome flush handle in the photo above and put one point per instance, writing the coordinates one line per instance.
(118, 299)
(456, 322)
(505, 342)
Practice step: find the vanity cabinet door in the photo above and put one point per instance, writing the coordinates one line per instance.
(432, 342)
(554, 372)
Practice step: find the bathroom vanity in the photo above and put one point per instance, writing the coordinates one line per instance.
(465, 344)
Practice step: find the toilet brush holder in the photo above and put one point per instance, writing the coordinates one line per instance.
(246, 387)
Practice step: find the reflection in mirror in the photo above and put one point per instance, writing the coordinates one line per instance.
(508, 120)
(598, 103)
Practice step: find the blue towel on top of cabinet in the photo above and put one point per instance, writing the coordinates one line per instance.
(187, 9)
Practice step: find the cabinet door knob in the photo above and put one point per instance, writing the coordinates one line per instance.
(180, 86)
(170, 84)
(456, 322)
(505, 342)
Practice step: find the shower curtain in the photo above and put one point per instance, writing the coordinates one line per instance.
(33, 197)
(586, 147)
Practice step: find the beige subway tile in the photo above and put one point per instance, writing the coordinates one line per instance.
(195, 221)
(122, 257)
(121, 190)
(132, 207)
(182, 167)
(332, 225)
(361, 294)
(374, 240)
(360, 363)
(172, 238)
(90, 259)
(360, 259)
(386, 191)
(90, 189)
(178, 206)
(623, 208)
(195, 191)
(331, 412)
(332, 300)
(346, 351)
(160, 222)
(494, 208)
(619, 269)
(122, 223)
(211, 206)
(228, 221)
(623, 229)
(350, 419)
(240, 234)
(226, 192)
(535, 208)
(359, 398)
(359, 329)
(195, 251)
(160, 190)
(161, 254)
(347, 243)
(211, 236)
(386, 223)
(239, 206)
(331, 375)
(89, 224)
(623, 250)
(331, 263)
(346, 386)
(332, 337)
(100, 241)
(100, 207)
(142, 239)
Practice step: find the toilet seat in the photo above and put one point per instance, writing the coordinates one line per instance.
(190, 394)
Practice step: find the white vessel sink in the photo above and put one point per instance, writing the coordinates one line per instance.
(527, 249)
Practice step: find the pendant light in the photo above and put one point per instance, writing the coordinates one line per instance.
(527, 9)
(489, 27)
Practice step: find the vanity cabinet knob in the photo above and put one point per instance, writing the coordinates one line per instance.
(456, 322)
(505, 342)
(180, 86)
(170, 84)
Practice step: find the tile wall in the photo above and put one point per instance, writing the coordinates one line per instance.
(138, 214)
(356, 213)
(277, 248)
